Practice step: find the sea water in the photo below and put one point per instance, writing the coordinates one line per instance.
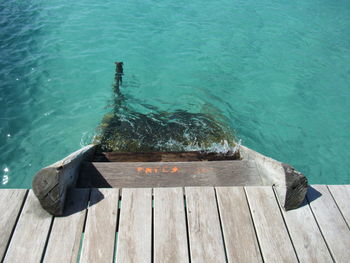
(277, 73)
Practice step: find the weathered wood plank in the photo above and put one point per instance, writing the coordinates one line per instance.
(165, 156)
(11, 201)
(100, 229)
(170, 234)
(63, 245)
(332, 224)
(135, 226)
(239, 234)
(29, 238)
(171, 174)
(305, 234)
(272, 234)
(341, 194)
(206, 241)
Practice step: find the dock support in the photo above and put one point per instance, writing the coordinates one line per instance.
(291, 184)
(50, 184)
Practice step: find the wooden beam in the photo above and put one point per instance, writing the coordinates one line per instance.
(165, 156)
(170, 174)
(50, 184)
(292, 184)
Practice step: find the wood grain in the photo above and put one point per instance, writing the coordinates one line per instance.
(100, 229)
(332, 224)
(170, 234)
(28, 241)
(135, 226)
(305, 234)
(272, 234)
(170, 174)
(341, 194)
(239, 234)
(51, 183)
(165, 156)
(64, 242)
(11, 201)
(206, 241)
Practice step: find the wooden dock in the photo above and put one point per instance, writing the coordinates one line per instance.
(191, 224)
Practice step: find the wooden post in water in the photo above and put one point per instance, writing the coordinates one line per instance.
(118, 77)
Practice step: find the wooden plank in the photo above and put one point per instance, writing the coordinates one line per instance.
(29, 238)
(305, 234)
(341, 194)
(171, 174)
(239, 234)
(165, 156)
(100, 229)
(331, 223)
(170, 234)
(206, 241)
(64, 242)
(272, 234)
(11, 201)
(135, 226)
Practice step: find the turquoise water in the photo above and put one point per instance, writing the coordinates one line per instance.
(277, 73)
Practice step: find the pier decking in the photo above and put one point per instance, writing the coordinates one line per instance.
(191, 224)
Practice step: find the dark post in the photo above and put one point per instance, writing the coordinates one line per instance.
(118, 82)
(119, 73)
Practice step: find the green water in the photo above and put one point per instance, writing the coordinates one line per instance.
(275, 72)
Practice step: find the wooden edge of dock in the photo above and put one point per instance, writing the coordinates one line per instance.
(292, 184)
(50, 184)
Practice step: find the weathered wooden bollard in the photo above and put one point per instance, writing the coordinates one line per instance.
(50, 184)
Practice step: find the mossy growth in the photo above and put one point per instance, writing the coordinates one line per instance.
(127, 131)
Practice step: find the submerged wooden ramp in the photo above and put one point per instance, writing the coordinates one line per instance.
(190, 224)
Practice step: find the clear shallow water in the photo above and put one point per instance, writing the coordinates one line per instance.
(277, 72)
